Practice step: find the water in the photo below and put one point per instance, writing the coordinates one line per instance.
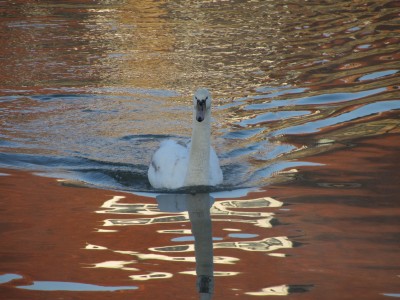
(89, 89)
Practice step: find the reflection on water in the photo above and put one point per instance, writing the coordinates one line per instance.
(89, 89)
(200, 210)
(72, 286)
(198, 206)
(86, 88)
(85, 255)
(282, 290)
(220, 208)
(63, 286)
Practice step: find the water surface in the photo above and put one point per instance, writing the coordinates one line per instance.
(89, 89)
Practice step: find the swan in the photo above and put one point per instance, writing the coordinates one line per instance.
(175, 165)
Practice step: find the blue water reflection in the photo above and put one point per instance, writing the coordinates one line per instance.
(274, 116)
(363, 111)
(62, 286)
(73, 287)
(315, 100)
(9, 277)
(378, 75)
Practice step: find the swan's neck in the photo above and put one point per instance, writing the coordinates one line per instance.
(199, 158)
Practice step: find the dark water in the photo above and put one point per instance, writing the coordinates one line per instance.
(88, 90)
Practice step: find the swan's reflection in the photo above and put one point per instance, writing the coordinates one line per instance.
(219, 209)
(198, 207)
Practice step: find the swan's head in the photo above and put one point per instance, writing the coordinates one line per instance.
(202, 103)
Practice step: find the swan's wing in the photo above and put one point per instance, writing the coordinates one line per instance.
(168, 166)
(216, 176)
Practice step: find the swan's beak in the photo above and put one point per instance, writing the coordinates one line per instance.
(200, 110)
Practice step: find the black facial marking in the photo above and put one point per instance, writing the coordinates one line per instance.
(201, 107)
(201, 102)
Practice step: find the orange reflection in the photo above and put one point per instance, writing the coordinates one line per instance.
(41, 215)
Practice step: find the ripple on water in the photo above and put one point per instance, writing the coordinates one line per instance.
(242, 235)
(378, 75)
(316, 100)
(9, 277)
(88, 91)
(274, 116)
(242, 134)
(63, 286)
(73, 287)
(361, 112)
(395, 295)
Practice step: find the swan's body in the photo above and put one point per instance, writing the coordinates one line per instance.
(196, 163)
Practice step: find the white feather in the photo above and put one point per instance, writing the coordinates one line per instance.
(175, 165)
(169, 165)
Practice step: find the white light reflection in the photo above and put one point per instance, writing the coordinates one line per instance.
(216, 273)
(95, 247)
(113, 206)
(280, 290)
(194, 210)
(176, 231)
(115, 264)
(220, 208)
(179, 218)
(152, 256)
(265, 245)
(153, 275)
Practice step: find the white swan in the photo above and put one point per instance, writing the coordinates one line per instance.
(175, 165)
